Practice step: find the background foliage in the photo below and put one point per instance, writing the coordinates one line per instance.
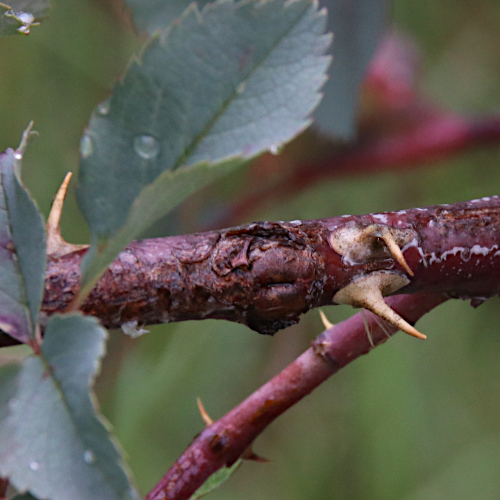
(414, 420)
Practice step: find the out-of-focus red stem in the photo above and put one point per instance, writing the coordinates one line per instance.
(226, 439)
(438, 136)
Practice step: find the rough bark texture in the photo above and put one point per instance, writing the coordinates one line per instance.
(267, 274)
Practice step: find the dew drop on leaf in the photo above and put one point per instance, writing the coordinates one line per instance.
(146, 146)
(241, 88)
(34, 465)
(103, 107)
(86, 146)
(88, 457)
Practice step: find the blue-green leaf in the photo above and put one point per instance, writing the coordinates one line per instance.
(226, 83)
(151, 15)
(52, 441)
(22, 252)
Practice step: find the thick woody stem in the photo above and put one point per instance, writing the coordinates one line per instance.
(267, 274)
(222, 442)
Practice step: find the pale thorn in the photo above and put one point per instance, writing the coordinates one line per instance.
(326, 323)
(56, 244)
(368, 292)
(204, 415)
(396, 252)
(378, 306)
(54, 220)
(249, 454)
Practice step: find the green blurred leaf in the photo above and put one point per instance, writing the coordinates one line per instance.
(22, 252)
(229, 82)
(150, 15)
(216, 480)
(52, 442)
(18, 16)
(24, 496)
(357, 27)
(471, 472)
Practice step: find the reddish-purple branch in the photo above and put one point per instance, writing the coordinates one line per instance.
(221, 443)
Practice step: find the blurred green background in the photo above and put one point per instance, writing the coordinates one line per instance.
(413, 420)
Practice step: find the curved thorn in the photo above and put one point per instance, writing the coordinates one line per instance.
(54, 220)
(368, 292)
(56, 244)
(204, 415)
(249, 454)
(326, 322)
(378, 306)
(396, 252)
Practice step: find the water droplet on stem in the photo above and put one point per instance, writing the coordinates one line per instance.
(275, 149)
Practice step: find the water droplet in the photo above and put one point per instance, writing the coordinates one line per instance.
(27, 21)
(146, 146)
(86, 146)
(34, 465)
(131, 329)
(89, 457)
(13, 404)
(275, 149)
(25, 17)
(18, 155)
(104, 106)
(241, 88)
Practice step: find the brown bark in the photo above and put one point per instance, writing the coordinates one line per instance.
(266, 274)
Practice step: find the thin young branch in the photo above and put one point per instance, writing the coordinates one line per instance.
(222, 442)
(266, 274)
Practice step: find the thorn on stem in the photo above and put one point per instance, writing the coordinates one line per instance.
(326, 323)
(249, 454)
(204, 415)
(396, 252)
(369, 291)
(355, 243)
(56, 244)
